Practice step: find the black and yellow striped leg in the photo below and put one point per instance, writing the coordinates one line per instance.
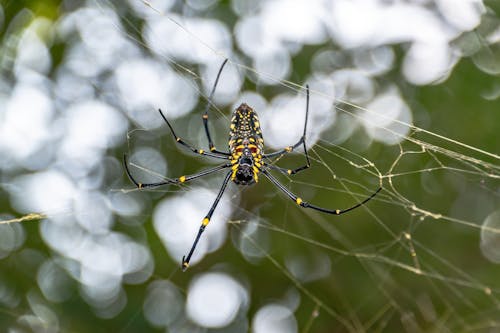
(286, 150)
(302, 142)
(204, 223)
(220, 155)
(178, 180)
(305, 204)
(205, 114)
(287, 171)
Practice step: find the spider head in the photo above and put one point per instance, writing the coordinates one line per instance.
(244, 174)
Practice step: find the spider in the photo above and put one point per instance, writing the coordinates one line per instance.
(246, 160)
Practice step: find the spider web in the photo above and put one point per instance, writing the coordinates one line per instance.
(422, 255)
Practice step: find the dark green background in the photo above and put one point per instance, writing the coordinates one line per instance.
(357, 288)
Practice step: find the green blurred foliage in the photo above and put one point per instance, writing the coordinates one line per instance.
(455, 109)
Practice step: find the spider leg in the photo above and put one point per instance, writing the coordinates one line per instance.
(178, 180)
(205, 114)
(302, 142)
(284, 151)
(221, 155)
(286, 171)
(204, 223)
(305, 204)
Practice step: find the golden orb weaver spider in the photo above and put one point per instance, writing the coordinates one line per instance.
(246, 160)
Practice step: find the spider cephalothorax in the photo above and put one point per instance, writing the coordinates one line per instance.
(246, 160)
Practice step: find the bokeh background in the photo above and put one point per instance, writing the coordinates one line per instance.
(403, 93)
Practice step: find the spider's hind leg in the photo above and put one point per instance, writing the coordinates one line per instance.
(289, 149)
(205, 114)
(305, 204)
(214, 154)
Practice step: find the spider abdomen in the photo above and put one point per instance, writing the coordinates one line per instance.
(245, 145)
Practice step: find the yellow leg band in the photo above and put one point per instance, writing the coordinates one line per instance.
(205, 221)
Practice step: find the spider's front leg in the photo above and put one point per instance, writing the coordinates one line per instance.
(204, 223)
(179, 180)
(305, 204)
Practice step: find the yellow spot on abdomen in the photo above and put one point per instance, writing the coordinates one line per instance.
(182, 179)
(298, 201)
